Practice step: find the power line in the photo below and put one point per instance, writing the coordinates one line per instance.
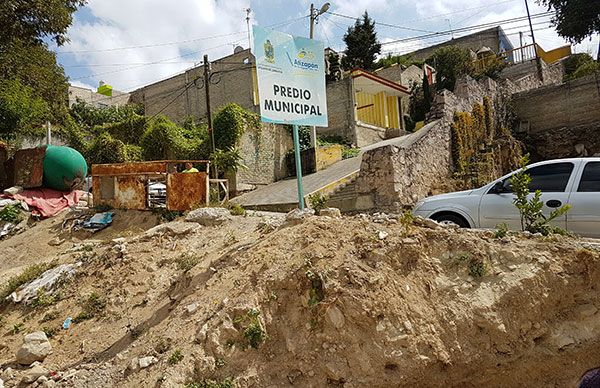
(381, 23)
(175, 42)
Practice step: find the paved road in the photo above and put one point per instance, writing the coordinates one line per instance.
(286, 192)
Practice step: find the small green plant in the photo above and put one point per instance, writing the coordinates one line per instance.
(406, 220)
(17, 327)
(11, 213)
(532, 218)
(350, 152)
(167, 215)
(30, 273)
(42, 299)
(317, 201)
(230, 238)
(237, 209)
(187, 261)
(477, 267)
(316, 292)
(92, 307)
(176, 357)
(501, 231)
(253, 332)
(219, 363)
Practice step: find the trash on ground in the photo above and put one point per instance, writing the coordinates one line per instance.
(48, 202)
(44, 282)
(97, 222)
(6, 229)
(67, 323)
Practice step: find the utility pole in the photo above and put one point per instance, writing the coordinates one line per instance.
(451, 30)
(537, 58)
(248, 11)
(208, 114)
(314, 14)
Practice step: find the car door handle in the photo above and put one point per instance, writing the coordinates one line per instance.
(554, 203)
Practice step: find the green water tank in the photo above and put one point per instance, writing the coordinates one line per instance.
(64, 168)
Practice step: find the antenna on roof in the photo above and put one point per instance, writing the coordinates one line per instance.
(248, 12)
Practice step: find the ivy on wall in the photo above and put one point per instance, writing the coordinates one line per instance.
(481, 150)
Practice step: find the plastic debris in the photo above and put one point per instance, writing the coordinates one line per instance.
(44, 282)
(67, 323)
(98, 221)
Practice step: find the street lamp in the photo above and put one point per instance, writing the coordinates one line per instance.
(314, 14)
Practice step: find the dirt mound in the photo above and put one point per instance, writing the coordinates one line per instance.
(340, 302)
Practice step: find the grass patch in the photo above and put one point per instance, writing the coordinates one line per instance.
(350, 152)
(11, 213)
(175, 357)
(187, 261)
(501, 231)
(237, 210)
(17, 328)
(253, 332)
(92, 306)
(43, 299)
(30, 273)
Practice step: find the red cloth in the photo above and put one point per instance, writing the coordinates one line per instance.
(49, 202)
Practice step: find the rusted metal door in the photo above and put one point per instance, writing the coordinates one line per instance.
(186, 191)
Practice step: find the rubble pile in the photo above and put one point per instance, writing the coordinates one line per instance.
(304, 300)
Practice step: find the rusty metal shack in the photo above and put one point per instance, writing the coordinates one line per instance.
(126, 185)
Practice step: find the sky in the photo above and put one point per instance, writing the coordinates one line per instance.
(132, 43)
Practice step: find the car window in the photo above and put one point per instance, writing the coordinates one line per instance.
(550, 177)
(590, 179)
(547, 178)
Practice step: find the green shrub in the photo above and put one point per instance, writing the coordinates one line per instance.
(176, 357)
(237, 209)
(187, 261)
(317, 201)
(129, 130)
(229, 124)
(574, 62)
(586, 69)
(106, 149)
(227, 161)
(477, 267)
(164, 140)
(207, 383)
(532, 218)
(501, 231)
(11, 213)
(450, 62)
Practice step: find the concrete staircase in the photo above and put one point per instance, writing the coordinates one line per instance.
(344, 197)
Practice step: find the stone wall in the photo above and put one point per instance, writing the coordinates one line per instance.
(264, 153)
(406, 169)
(409, 168)
(95, 99)
(573, 104)
(340, 111)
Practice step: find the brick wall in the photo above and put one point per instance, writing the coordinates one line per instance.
(573, 104)
(96, 99)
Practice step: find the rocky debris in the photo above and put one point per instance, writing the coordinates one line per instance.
(175, 229)
(382, 234)
(13, 190)
(145, 362)
(36, 347)
(34, 373)
(297, 216)
(384, 218)
(427, 223)
(270, 224)
(332, 212)
(44, 282)
(209, 216)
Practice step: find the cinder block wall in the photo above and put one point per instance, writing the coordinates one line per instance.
(571, 104)
(233, 84)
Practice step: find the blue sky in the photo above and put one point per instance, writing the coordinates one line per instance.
(131, 43)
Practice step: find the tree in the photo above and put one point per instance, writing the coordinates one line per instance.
(333, 73)
(450, 62)
(21, 112)
(32, 21)
(362, 45)
(575, 20)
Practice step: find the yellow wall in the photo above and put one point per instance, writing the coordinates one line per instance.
(554, 55)
(326, 156)
(382, 112)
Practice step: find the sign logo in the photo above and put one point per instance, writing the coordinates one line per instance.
(304, 60)
(269, 51)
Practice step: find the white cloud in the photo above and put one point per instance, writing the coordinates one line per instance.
(118, 23)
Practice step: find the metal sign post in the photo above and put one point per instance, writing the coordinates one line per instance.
(298, 167)
(291, 85)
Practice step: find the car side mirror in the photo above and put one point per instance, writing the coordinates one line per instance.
(498, 188)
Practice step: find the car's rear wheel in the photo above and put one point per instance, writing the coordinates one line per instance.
(450, 219)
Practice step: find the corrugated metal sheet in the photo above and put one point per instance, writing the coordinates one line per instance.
(26, 168)
(186, 191)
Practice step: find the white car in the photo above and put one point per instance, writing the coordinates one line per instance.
(561, 181)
